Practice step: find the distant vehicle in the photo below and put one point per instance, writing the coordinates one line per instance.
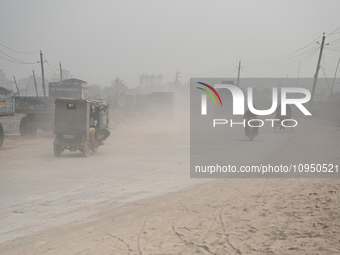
(80, 125)
(38, 114)
(39, 111)
(252, 131)
(7, 108)
(278, 115)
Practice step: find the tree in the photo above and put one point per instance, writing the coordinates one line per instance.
(115, 89)
(119, 86)
(107, 91)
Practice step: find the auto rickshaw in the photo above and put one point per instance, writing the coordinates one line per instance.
(80, 125)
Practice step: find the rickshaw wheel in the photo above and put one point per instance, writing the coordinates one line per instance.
(2, 135)
(87, 149)
(57, 150)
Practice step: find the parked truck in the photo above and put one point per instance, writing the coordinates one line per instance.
(39, 111)
(7, 108)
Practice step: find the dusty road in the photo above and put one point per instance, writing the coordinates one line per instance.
(134, 196)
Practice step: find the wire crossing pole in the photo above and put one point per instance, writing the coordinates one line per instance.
(238, 74)
(317, 72)
(42, 73)
(61, 72)
(35, 83)
(16, 85)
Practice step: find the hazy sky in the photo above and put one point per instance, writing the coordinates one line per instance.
(100, 40)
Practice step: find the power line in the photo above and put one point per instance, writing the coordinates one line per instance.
(18, 61)
(284, 56)
(334, 31)
(219, 70)
(18, 51)
(325, 77)
(278, 61)
(10, 60)
(53, 70)
(284, 66)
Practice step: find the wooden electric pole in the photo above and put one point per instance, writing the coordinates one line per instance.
(176, 80)
(16, 85)
(35, 84)
(42, 73)
(61, 72)
(238, 74)
(317, 71)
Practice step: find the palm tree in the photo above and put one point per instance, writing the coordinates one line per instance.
(119, 86)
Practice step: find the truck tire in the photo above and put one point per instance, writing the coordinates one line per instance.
(87, 150)
(2, 135)
(23, 126)
(57, 150)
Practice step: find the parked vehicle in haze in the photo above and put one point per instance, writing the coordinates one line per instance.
(39, 111)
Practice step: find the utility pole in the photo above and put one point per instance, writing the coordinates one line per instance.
(317, 71)
(61, 72)
(16, 85)
(42, 73)
(238, 74)
(176, 80)
(35, 84)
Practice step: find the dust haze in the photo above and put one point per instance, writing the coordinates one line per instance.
(134, 192)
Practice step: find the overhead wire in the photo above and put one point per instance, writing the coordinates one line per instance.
(18, 51)
(284, 66)
(325, 77)
(215, 71)
(10, 60)
(226, 75)
(334, 32)
(16, 60)
(53, 69)
(286, 55)
(265, 64)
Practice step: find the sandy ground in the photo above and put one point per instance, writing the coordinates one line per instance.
(142, 201)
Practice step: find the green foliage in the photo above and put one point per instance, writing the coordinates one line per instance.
(117, 86)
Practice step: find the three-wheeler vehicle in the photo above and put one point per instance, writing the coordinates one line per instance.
(80, 125)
